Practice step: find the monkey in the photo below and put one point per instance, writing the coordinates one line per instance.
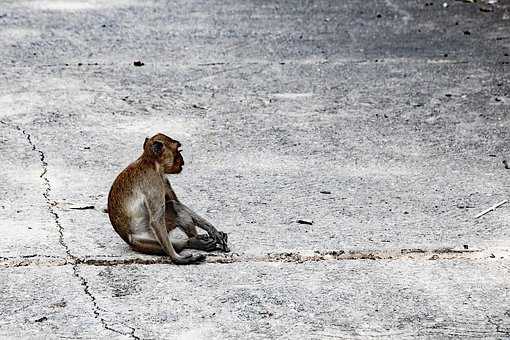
(143, 208)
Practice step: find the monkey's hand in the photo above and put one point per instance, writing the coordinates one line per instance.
(220, 237)
(221, 241)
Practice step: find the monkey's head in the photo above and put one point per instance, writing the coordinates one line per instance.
(165, 151)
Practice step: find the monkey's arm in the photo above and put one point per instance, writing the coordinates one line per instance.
(220, 237)
(169, 192)
(157, 225)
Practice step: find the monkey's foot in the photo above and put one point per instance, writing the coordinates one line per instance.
(190, 259)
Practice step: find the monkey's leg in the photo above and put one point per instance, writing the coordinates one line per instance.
(185, 213)
(184, 222)
(147, 244)
(158, 227)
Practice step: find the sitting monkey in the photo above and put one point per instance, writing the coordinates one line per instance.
(143, 207)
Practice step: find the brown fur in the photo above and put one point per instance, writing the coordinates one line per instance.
(143, 207)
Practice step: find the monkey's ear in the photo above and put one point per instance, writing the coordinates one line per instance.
(145, 143)
(157, 148)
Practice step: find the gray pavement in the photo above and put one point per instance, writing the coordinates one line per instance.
(398, 109)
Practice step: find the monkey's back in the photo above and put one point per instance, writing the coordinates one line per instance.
(123, 199)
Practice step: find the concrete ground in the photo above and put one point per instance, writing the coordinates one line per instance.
(385, 123)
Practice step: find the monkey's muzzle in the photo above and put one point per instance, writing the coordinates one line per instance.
(180, 159)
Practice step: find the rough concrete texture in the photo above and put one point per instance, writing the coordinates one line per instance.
(398, 109)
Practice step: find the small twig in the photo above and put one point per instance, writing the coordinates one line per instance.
(211, 64)
(196, 106)
(83, 208)
(491, 208)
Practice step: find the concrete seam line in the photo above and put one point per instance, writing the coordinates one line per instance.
(283, 257)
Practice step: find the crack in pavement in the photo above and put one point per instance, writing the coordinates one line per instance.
(97, 309)
(70, 259)
(498, 326)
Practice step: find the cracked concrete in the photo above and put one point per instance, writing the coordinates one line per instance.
(385, 124)
(70, 259)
